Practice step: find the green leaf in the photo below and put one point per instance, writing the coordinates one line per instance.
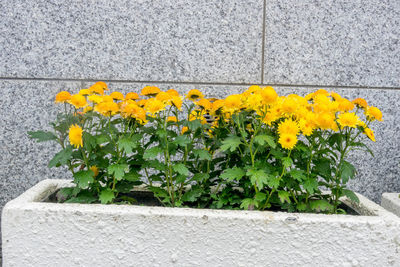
(298, 175)
(101, 139)
(273, 181)
(118, 170)
(202, 154)
(347, 171)
(192, 195)
(151, 153)
(301, 206)
(181, 169)
(320, 205)
(259, 196)
(323, 167)
(258, 177)
(287, 162)
(310, 185)
(181, 140)
(231, 143)
(85, 198)
(248, 203)
(89, 142)
(61, 158)
(351, 195)
(194, 125)
(200, 177)
(262, 139)
(284, 196)
(161, 133)
(83, 178)
(106, 196)
(234, 173)
(42, 136)
(159, 192)
(359, 144)
(179, 179)
(132, 177)
(127, 144)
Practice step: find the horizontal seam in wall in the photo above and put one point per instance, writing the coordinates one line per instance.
(200, 83)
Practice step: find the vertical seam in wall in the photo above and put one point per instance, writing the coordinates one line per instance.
(263, 42)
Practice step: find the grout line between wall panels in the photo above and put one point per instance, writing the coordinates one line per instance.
(263, 42)
(200, 83)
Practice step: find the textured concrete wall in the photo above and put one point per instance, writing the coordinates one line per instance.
(220, 47)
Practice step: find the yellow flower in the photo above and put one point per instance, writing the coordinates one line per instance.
(117, 96)
(270, 117)
(164, 97)
(268, 95)
(348, 119)
(132, 96)
(232, 103)
(368, 132)
(95, 170)
(150, 90)
(326, 121)
(141, 103)
(336, 96)
(288, 127)
(84, 92)
(172, 92)
(107, 98)
(177, 102)
(217, 106)
(251, 90)
(131, 109)
(87, 109)
(289, 104)
(194, 94)
(75, 136)
(306, 126)
(154, 106)
(107, 108)
(95, 99)
(172, 119)
(373, 113)
(204, 103)
(184, 129)
(98, 88)
(253, 102)
(78, 101)
(360, 102)
(321, 92)
(345, 105)
(287, 140)
(63, 96)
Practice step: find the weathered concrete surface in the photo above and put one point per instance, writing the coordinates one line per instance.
(391, 202)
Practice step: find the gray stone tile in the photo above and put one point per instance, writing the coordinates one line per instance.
(354, 43)
(171, 40)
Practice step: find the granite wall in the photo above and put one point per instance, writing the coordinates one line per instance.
(218, 46)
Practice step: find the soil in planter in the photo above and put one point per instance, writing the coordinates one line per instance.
(145, 198)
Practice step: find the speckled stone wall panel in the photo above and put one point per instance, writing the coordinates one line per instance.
(169, 40)
(354, 43)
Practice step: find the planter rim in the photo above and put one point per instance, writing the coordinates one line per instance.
(31, 200)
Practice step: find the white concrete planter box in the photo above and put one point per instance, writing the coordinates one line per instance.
(49, 234)
(391, 202)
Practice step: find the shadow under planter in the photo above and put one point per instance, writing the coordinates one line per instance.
(37, 233)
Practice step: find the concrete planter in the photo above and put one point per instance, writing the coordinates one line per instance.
(49, 234)
(391, 202)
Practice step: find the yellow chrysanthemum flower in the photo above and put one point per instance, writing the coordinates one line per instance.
(373, 113)
(289, 104)
(360, 102)
(164, 97)
(78, 101)
(288, 127)
(75, 136)
(84, 92)
(95, 99)
(172, 92)
(87, 109)
(107, 98)
(268, 95)
(270, 117)
(95, 170)
(306, 126)
(150, 90)
(117, 96)
(232, 103)
(345, 105)
(368, 132)
(62, 97)
(172, 119)
(217, 106)
(98, 88)
(326, 121)
(131, 96)
(348, 120)
(177, 102)
(184, 129)
(194, 95)
(336, 96)
(253, 102)
(287, 140)
(154, 106)
(107, 108)
(204, 103)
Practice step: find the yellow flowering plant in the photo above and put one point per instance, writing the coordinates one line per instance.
(254, 150)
